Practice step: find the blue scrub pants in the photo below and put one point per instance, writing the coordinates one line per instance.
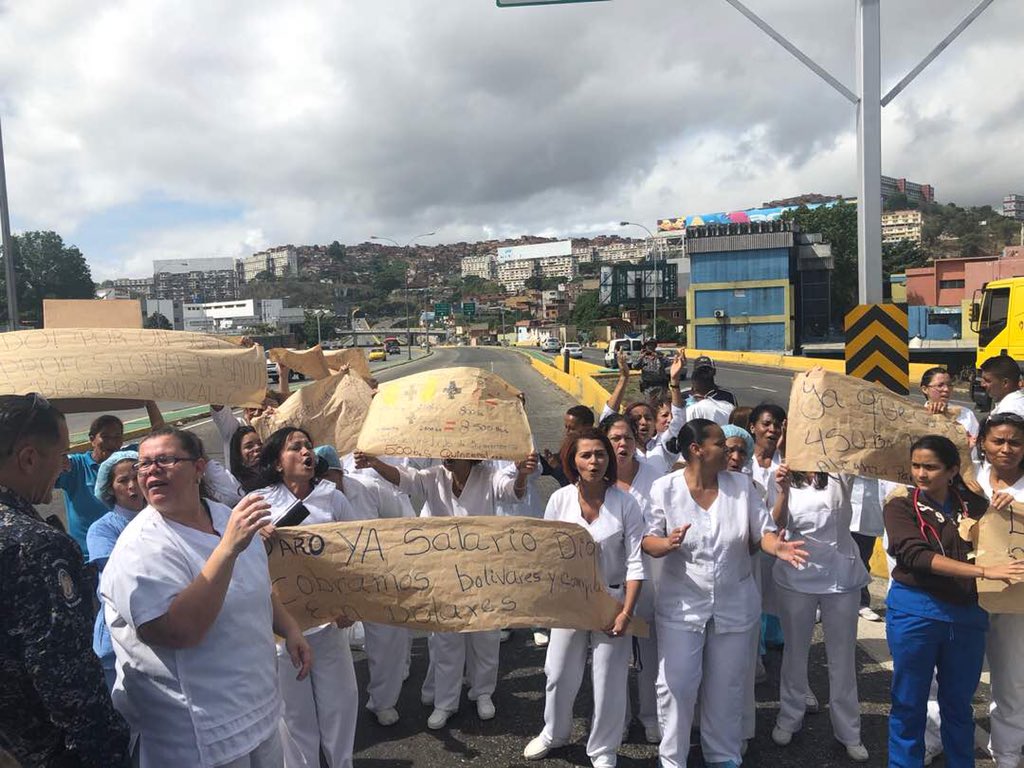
(920, 646)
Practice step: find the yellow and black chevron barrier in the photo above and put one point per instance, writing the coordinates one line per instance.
(876, 345)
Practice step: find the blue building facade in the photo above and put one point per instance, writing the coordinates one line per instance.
(756, 286)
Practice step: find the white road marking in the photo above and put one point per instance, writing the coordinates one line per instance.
(764, 389)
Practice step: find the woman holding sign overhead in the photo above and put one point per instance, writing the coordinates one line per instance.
(613, 518)
(704, 522)
(321, 710)
(192, 619)
(459, 488)
(1001, 477)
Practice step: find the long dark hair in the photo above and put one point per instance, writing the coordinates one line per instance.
(569, 449)
(271, 452)
(946, 451)
(612, 419)
(247, 477)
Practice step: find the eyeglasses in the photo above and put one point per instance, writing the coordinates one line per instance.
(164, 462)
(946, 385)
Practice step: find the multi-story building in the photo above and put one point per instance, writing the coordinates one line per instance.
(171, 310)
(209, 317)
(557, 266)
(195, 280)
(135, 287)
(628, 251)
(279, 262)
(1013, 207)
(518, 263)
(915, 193)
(481, 265)
(901, 225)
(514, 274)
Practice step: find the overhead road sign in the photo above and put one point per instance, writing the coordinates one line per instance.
(469, 308)
(442, 309)
(876, 345)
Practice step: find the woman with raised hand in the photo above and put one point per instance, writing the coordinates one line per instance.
(704, 521)
(636, 478)
(244, 458)
(117, 486)
(458, 488)
(1001, 476)
(933, 622)
(320, 710)
(187, 599)
(613, 518)
(817, 509)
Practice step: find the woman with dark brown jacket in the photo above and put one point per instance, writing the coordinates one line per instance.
(933, 621)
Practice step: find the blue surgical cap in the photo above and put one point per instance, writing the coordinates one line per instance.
(731, 430)
(103, 476)
(330, 455)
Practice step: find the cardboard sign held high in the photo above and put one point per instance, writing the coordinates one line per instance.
(448, 413)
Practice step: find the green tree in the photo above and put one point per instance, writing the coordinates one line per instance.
(897, 257)
(309, 327)
(586, 312)
(45, 268)
(158, 321)
(388, 274)
(534, 282)
(336, 252)
(897, 202)
(838, 224)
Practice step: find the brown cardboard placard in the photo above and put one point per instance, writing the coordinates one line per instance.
(1000, 540)
(443, 574)
(353, 357)
(92, 313)
(308, 362)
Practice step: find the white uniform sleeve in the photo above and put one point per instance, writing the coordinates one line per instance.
(676, 423)
(343, 511)
(605, 413)
(221, 484)
(969, 421)
(551, 510)
(656, 525)
(414, 481)
(760, 520)
(227, 423)
(141, 582)
(503, 482)
(633, 530)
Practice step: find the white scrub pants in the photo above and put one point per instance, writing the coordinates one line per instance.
(564, 665)
(387, 649)
(686, 658)
(750, 682)
(647, 658)
(321, 710)
(268, 754)
(1005, 651)
(839, 622)
(449, 657)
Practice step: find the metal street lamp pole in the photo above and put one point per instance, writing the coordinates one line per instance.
(5, 233)
(408, 321)
(657, 277)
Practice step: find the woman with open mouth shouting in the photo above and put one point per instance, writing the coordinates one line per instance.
(321, 710)
(187, 599)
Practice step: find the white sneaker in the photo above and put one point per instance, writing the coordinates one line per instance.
(653, 734)
(811, 702)
(857, 753)
(485, 707)
(537, 749)
(930, 753)
(868, 615)
(781, 736)
(504, 635)
(540, 639)
(438, 719)
(387, 716)
(357, 636)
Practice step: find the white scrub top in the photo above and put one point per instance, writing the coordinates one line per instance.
(968, 421)
(393, 503)
(326, 504)
(227, 424)
(765, 477)
(529, 505)
(821, 518)
(655, 453)
(1012, 403)
(617, 530)
(717, 411)
(200, 706)
(221, 485)
(709, 576)
(485, 488)
(866, 501)
(984, 473)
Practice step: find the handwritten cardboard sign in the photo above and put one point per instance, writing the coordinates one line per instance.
(92, 313)
(308, 362)
(838, 423)
(451, 574)
(1000, 540)
(332, 410)
(131, 364)
(448, 413)
(353, 357)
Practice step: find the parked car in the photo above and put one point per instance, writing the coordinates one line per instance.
(550, 345)
(574, 349)
(274, 375)
(378, 353)
(632, 347)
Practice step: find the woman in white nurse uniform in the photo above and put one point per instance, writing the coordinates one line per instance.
(320, 711)
(459, 488)
(613, 518)
(187, 598)
(704, 522)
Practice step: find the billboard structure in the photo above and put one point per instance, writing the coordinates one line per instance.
(636, 283)
(537, 251)
(733, 217)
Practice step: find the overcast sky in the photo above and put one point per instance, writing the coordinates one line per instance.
(159, 129)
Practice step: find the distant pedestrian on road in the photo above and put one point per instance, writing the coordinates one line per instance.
(54, 707)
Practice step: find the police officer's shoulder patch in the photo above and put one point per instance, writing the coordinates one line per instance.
(66, 585)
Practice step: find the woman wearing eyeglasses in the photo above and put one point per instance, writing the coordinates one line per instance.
(937, 386)
(187, 599)
(321, 710)
(1001, 476)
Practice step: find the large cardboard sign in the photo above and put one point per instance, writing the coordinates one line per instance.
(443, 574)
(308, 362)
(838, 423)
(332, 410)
(92, 313)
(353, 357)
(448, 413)
(1000, 540)
(131, 364)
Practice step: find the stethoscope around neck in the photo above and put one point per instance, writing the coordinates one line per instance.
(924, 526)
